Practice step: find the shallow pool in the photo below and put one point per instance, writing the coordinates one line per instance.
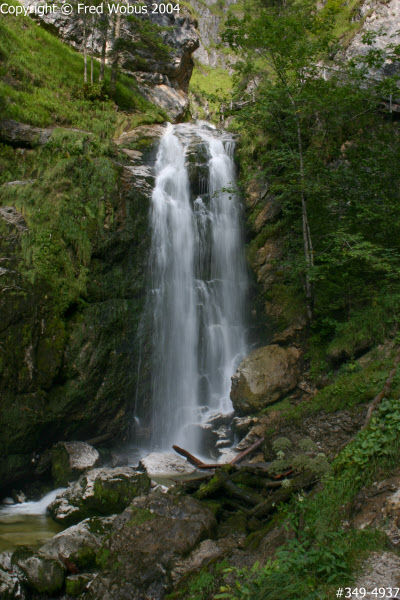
(27, 524)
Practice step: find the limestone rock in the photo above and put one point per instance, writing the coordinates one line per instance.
(21, 135)
(75, 542)
(10, 587)
(71, 459)
(99, 492)
(39, 573)
(206, 552)
(146, 540)
(380, 570)
(263, 377)
(160, 463)
(163, 79)
(381, 19)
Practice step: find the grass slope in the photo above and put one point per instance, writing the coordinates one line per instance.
(41, 83)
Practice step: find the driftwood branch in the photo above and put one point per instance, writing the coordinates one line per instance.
(246, 452)
(199, 464)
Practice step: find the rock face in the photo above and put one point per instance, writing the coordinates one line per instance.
(71, 459)
(21, 135)
(10, 587)
(99, 492)
(382, 20)
(79, 542)
(210, 18)
(145, 543)
(39, 573)
(158, 463)
(72, 377)
(163, 76)
(263, 377)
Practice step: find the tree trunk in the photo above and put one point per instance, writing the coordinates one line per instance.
(85, 53)
(114, 67)
(92, 51)
(307, 242)
(103, 51)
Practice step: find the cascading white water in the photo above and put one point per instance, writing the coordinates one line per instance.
(198, 286)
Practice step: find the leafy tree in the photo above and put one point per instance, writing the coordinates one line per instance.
(326, 152)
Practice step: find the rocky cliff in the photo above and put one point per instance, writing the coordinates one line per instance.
(163, 76)
(69, 369)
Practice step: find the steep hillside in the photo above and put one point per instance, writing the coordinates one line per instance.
(74, 236)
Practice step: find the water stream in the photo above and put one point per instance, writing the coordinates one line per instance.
(27, 523)
(198, 282)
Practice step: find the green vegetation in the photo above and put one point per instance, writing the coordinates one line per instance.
(321, 554)
(210, 84)
(41, 83)
(64, 209)
(140, 516)
(203, 585)
(327, 153)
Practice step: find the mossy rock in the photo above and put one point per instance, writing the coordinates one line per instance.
(99, 492)
(39, 573)
(75, 585)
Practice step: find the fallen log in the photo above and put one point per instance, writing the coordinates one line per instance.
(247, 451)
(196, 462)
(265, 508)
(221, 481)
(199, 464)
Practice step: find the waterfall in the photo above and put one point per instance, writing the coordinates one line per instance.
(198, 285)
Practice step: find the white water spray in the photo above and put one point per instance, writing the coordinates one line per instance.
(198, 286)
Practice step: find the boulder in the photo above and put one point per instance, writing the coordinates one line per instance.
(99, 492)
(80, 542)
(10, 587)
(21, 135)
(146, 541)
(263, 377)
(161, 463)
(70, 459)
(39, 573)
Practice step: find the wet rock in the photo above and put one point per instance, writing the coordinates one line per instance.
(39, 573)
(255, 433)
(5, 561)
(10, 587)
(70, 459)
(197, 159)
(145, 542)
(263, 377)
(242, 425)
(221, 419)
(79, 542)
(21, 135)
(99, 492)
(18, 497)
(158, 463)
